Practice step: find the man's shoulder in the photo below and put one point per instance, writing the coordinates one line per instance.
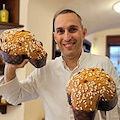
(55, 61)
(96, 59)
(103, 57)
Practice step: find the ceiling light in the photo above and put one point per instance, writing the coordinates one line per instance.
(116, 7)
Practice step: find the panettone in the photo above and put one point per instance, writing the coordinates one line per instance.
(18, 44)
(90, 90)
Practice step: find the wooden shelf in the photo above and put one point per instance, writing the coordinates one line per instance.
(4, 104)
(13, 8)
(4, 25)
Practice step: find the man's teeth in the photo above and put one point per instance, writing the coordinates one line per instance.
(68, 45)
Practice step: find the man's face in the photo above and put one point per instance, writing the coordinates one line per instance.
(69, 35)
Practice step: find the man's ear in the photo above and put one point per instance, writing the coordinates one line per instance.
(84, 32)
(54, 35)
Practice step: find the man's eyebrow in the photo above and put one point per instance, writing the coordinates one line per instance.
(58, 28)
(69, 27)
(73, 26)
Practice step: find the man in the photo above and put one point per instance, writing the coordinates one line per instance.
(49, 82)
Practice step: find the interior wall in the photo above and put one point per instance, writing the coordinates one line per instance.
(99, 40)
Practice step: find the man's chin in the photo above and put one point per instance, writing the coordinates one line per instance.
(68, 55)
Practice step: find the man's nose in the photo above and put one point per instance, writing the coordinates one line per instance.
(67, 36)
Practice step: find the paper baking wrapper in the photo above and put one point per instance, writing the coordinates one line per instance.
(18, 59)
(108, 105)
(38, 63)
(82, 115)
(90, 115)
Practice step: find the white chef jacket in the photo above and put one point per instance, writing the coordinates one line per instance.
(49, 83)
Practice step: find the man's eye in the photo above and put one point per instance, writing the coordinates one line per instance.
(72, 29)
(60, 31)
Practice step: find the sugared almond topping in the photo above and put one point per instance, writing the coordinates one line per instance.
(90, 85)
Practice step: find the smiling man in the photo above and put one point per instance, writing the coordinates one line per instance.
(69, 35)
(49, 82)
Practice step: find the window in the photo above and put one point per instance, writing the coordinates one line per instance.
(115, 57)
(113, 51)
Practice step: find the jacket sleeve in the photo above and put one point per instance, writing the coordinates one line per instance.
(16, 92)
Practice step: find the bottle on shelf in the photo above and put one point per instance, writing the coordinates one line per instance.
(4, 14)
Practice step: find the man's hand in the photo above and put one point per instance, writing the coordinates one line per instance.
(10, 70)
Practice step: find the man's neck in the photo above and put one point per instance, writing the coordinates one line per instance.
(71, 62)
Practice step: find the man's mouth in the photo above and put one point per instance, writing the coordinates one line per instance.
(68, 45)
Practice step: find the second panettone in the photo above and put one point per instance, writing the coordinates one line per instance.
(90, 90)
(17, 45)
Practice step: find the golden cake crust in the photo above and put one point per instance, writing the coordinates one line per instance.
(21, 42)
(89, 86)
